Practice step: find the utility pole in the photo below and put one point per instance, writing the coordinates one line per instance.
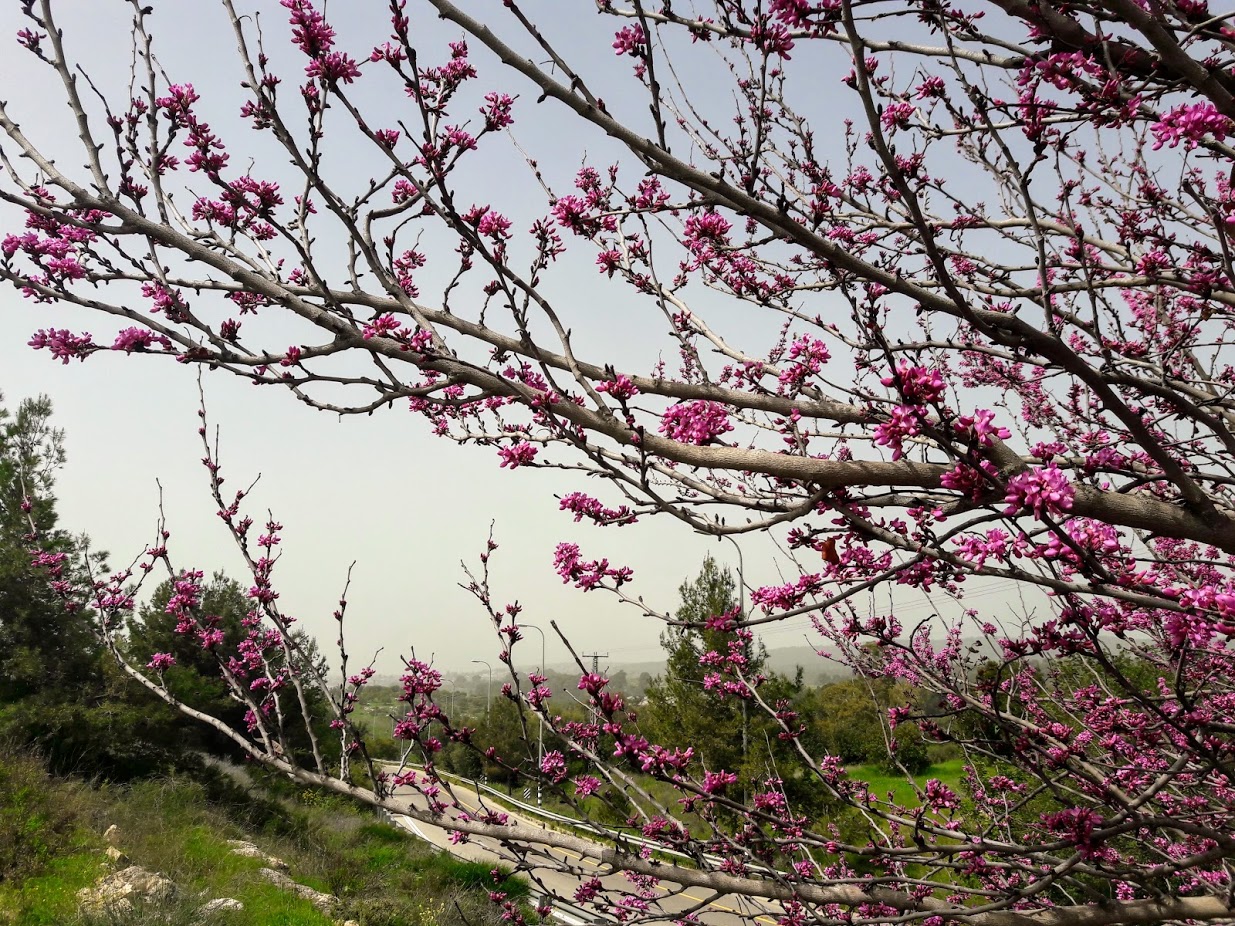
(489, 698)
(540, 745)
(596, 657)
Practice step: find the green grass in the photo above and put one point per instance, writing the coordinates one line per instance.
(881, 781)
(49, 898)
(51, 846)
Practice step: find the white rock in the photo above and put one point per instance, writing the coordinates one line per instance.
(248, 850)
(114, 894)
(323, 902)
(220, 905)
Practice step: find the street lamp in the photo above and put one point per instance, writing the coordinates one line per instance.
(540, 747)
(741, 573)
(741, 614)
(453, 690)
(489, 699)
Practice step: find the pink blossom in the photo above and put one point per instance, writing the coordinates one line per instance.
(310, 32)
(29, 39)
(715, 782)
(161, 662)
(494, 225)
(1190, 123)
(904, 422)
(382, 326)
(516, 455)
(586, 575)
(897, 115)
(571, 212)
(586, 785)
(139, 339)
(1076, 824)
(979, 427)
(554, 765)
(631, 40)
(706, 226)
(497, 111)
(697, 422)
(620, 387)
(62, 343)
(918, 384)
(966, 479)
(807, 356)
(168, 301)
(771, 38)
(1043, 489)
(584, 506)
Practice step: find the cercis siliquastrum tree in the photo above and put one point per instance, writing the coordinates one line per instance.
(947, 291)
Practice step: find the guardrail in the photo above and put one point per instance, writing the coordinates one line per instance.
(563, 910)
(586, 826)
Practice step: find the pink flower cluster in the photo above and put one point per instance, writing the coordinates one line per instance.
(697, 422)
(631, 40)
(587, 575)
(621, 388)
(63, 344)
(161, 662)
(516, 455)
(782, 597)
(1190, 123)
(716, 782)
(966, 479)
(139, 339)
(807, 356)
(1044, 489)
(554, 765)
(170, 302)
(904, 422)
(208, 155)
(916, 383)
(584, 506)
(314, 36)
(980, 428)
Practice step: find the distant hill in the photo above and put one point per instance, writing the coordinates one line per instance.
(785, 660)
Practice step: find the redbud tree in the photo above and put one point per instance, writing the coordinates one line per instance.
(941, 294)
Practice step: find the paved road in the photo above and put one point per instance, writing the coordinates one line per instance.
(668, 902)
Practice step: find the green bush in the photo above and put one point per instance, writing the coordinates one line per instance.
(38, 819)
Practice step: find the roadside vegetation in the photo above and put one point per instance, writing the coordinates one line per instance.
(52, 846)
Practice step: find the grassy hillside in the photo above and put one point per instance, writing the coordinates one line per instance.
(51, 845)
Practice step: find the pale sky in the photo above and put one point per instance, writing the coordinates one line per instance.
(406, 506)
(381, 491)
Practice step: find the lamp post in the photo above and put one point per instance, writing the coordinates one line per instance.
(540, 746)
(454, 687)
(489, 698)
(742, 614)
(741, 574)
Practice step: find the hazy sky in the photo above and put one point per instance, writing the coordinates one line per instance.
(381, 491)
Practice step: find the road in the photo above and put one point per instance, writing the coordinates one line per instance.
(668, 901)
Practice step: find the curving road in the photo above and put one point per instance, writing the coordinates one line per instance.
(563, 872)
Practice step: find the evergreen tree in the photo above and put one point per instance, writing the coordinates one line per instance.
(195, 678)
(42, 647)
(60, 692)
(726, 731)
(679, 707)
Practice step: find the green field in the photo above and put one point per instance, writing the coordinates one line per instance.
(881, 781)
